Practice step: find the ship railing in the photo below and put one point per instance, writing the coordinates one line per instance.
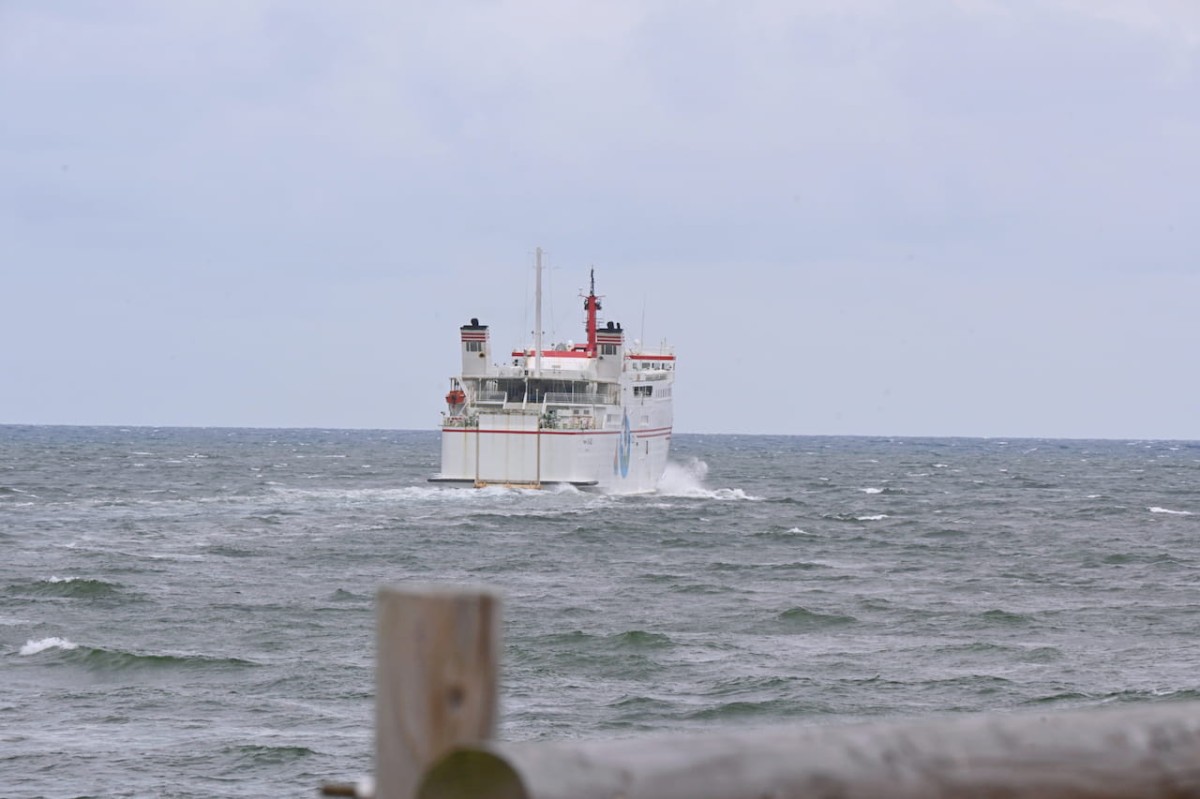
(490, 397)
(664, 350)
(437, 709)
(571, 398)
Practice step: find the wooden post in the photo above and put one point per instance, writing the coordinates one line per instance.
(436, 679)
(1137, 752)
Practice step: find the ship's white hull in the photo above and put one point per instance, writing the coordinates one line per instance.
(512, 449)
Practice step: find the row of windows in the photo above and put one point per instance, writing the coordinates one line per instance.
(474, 346)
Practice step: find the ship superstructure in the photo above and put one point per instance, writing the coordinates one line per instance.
(591, 414)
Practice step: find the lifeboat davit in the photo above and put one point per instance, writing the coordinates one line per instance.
(456, 397)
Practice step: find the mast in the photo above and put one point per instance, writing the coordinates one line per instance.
(537, 329)
(591, 305)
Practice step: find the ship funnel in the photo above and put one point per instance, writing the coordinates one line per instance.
(476, 349)
(610, 347)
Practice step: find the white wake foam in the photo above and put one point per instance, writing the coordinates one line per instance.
(450, 494)
(687, 480)
(33, 647)
(1172, 512)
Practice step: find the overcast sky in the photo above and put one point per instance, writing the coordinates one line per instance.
(848, 216)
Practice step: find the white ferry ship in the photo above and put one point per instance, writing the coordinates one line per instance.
(592, 414)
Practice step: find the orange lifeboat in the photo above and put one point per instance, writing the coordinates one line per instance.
(456, 397)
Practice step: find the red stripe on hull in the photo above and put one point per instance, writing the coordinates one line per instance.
(533, 432)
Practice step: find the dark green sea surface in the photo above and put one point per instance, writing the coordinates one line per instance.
(189, 613)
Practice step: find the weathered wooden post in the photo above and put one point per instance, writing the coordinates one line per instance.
(436, 679)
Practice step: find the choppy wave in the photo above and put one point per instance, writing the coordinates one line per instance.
(781, 708)
(1170, 512)
(34, 647)
(640, 639)
(792, 534)
(804, 619)
(114, 660)
(1005, 617)
(856, 517)
(250, 755)
(1104, 698)
(16, 498)
(627, 640)
(69, 587)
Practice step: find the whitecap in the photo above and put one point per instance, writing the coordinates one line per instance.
(1171, 512)
(33, 647)
(871, 490)
(877, 517)
(732, 493)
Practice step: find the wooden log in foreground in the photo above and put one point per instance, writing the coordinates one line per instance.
(1136, 751)
(436, 679)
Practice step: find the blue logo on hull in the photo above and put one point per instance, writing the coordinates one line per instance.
(624, 448)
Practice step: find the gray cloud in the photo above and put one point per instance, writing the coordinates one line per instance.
(936, 217)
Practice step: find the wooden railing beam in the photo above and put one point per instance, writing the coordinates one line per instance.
(1143, 752)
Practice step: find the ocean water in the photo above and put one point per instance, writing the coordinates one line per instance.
(189, 613)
